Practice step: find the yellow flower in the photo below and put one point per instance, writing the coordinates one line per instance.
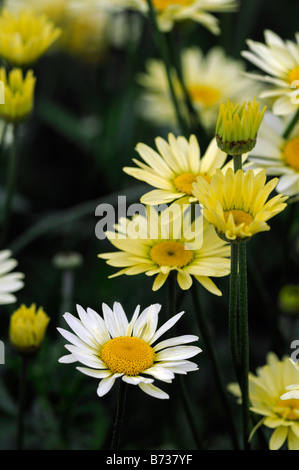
(209, 78)
(171, 11)
(27, 328)
(235, 203)
(18, 94)
(265, 390)
(175, 167)
(156, 244)
(237, 126)
(289, 299)
(25, 37)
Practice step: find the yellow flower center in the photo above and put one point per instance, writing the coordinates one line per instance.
(162, 4)
(294, 75)
(171, 254)
(288, 409)
(127, 355)
(239, 216)
(204, 94)
(291, 153)
(184, 182)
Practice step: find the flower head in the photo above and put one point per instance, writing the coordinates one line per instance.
(209, 79)
(25, 36)
(175, 167)
(171, 11)
(9, 282)
(27, 329)
(235, 203)
(113, 347)
(289, 299)
(157, 244)
(237, 126)
(265, 390)
(279, 59)
(18, 95)
(278, 155)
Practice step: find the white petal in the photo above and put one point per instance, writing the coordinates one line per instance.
(166, 326)
(120, 318)
(175, 341)
(136, 380)
(98, 374)
(177, 353)
(153, 391)
(79, 329)
(106, 384)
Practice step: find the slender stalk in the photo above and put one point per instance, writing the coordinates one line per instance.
(11, 183)
(244, 342)
(163, 49)
(233, 308)
(206, 336)
(22, 395)
(119, 416)
(291, 125)
(237, 162)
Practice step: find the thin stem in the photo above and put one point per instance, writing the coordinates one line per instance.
(119, 416)
(233, 308)
(22, 394)
(237, 162)
(163, 48)
(206, 336)
(244, 342)
(291, 125)
(11, 183)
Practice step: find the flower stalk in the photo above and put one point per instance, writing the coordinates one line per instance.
(119, 415)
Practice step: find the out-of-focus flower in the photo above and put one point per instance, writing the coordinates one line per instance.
(9, 282)
(112, 347)
(289, 299)
(236, 203)
(25, 36)
(279, 60)
(237, 126)
(175, 167)
(18, 95)
(171, 11)
(279, 156)
(67, 260)
(27, 329)
(157, 244)
(265, 390)
(209, 79)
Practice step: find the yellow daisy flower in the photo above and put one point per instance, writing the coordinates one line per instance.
(156, 244)
(265, 390)
(209, 79)
(171, 11)
(175, 167)
(279, 60)
(235, 203)
(279, 156)
(27, 329)
(25, 36)
(293, 389)
(18, 95)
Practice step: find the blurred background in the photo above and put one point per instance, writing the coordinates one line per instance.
(83, 131)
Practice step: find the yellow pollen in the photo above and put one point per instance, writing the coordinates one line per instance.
(127, 355)
(184, 182)
(239, 216)
(288, 409)
(171, 254)
(162, 4)
(293, 75)
(291, 153)
(204, 94)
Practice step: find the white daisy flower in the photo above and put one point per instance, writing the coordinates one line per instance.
(113, 347)
(280, 61)
(9, 282)
(279, 156)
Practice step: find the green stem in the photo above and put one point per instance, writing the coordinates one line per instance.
(291, 125)
(233, 308)
(11, 183)
(208, 344)
(244, 342)
(22, 394)
(119, 416)
(163, 48)
(237, 162)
